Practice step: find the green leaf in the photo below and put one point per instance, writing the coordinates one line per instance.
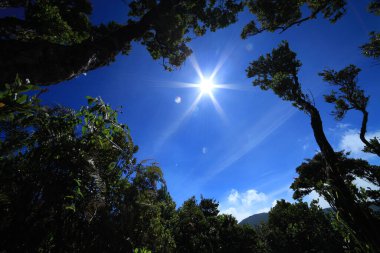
(90, 99)
(70, 208)
(22, 99)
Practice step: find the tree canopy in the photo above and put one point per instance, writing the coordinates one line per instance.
(56, 41)
(70, 180)
(278, 71)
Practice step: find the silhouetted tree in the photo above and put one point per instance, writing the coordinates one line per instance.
(372, 48)
(69, 181)
(311, 177)
(56, 41)
(300, 228)
(349, 97)
(199, 228)
(278, 71)
(282, 14)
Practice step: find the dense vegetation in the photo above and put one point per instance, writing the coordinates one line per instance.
(69, 181)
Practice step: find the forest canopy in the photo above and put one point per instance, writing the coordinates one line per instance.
(72, 178)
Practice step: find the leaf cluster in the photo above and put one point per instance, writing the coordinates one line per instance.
(311, 178)
(282, 14)
(63, 22)
(177, 21)
(350, 96)
(69, 182)
(278, 72)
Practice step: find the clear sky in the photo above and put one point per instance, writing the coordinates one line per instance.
(241, 145)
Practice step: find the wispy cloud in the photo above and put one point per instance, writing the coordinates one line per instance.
(172, 129)
(259, 132)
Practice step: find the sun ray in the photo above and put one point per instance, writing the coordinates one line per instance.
(196, 67)
(174, 127)
(218, 108)
(232, 87)
(226, 54)
(206, 87)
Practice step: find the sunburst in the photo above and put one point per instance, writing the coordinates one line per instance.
(206, 86)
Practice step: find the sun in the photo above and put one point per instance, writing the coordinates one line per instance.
(206, 86)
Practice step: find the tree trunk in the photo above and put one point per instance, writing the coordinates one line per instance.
(358, 218)
(363, 130)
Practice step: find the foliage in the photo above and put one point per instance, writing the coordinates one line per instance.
(200, 229)
(350, 96)
(301, 228)
(278, 72)
(59, 192)
(61, 34)
(14, 101)
(283, 14)
(69, 181)
(372, 48)
(63, 22)
(374, 7)
(311, 178)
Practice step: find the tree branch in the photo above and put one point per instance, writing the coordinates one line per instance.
(363, 131)
(45, 63)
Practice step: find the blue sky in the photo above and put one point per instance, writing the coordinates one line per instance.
(244, 152)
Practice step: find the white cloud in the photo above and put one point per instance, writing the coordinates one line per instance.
(204, 150)
(351, 142)
(365, 184)
(342, 125)
(244, 204)
(234, 196)
(252, 196)
(324, 204)
(178, 100)
(315, 196)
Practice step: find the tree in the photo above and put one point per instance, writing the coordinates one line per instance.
(199, 228)
(278, 71)
(311, 178)
(300, 228)
(282, 14)
(349, 97)
(372, 48)
(60, 192)
(57, 42)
